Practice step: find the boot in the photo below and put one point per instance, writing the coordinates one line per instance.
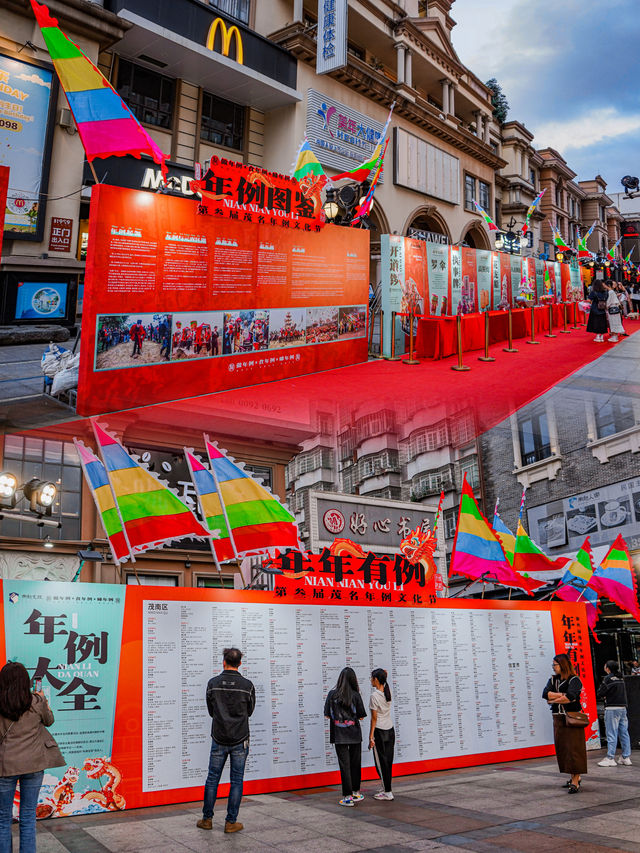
(204, 823)
(233, 827)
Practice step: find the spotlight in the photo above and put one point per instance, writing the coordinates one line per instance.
(187, 563)
(41, 495)
(630, 183)
(47, 542)
(8, 488)
(348, 195)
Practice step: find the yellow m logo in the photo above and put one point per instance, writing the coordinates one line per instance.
(225, 36)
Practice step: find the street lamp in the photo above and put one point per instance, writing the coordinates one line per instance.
(330, 207)
(41, 495)
(510, 240)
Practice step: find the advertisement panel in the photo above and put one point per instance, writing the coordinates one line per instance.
(455, 279)
(484, 276)
(41, 300)
(182, 304)
(392, 256)
(332, 35)
(24, 122)
(438, 278)
(496, 278)
(172, 642)
(469, 280)
(539, 279)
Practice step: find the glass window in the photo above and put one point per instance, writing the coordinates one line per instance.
(149, 95)
(213, 582)
(614, 416)
(535, 444)
(484, 191)
(469, 191)
(450, 524)
(238, 9)
(262, 472)
(222, 122)
(470, 468)
(57, 462)
(152, 580)
(532, 177)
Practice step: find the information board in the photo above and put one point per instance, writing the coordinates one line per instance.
(466, 678)
(249, 302)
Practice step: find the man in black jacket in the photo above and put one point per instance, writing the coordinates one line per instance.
(614, 693)
(230, 700)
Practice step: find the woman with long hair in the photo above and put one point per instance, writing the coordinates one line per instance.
(597, 321)
(382, 736)
(26, 750)
(562, 693)
(344, 709)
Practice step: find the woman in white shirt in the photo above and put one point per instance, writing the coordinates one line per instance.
(382, 736)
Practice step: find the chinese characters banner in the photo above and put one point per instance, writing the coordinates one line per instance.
(143, 677)
(250, 302)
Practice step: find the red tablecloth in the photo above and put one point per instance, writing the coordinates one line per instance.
(436, 337)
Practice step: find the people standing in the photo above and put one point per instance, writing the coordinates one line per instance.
(597, 321)
(27, 749)
(613, 692)
(344, 709)
(562, 692)
(382, 736)
(614, 316)
(231, 699)
(137, 335)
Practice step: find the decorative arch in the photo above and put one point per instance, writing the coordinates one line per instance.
(428, 219)
(475, 235)
(379, 218)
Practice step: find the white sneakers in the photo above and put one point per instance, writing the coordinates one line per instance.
(383, 795)
(613, 339)
(357, 796)
(611, 762)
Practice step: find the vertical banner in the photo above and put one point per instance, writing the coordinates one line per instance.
(575, 282)
(438, 278)
(496, 280)
(516, 277)
(565, 282)
(469, 280)
(69, 636)
(455, 280)
(484, 276)
(505, 280)
(4, 187)
(557, 267)
(415, 278)
(539, 279)
(392, 257)
(332, 35)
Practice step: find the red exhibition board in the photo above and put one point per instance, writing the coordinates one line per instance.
(4, 189)
(179, 304)
(463, 672)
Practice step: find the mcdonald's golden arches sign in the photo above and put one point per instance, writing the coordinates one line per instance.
(226, 34)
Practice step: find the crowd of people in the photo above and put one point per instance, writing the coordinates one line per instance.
(195, 339)
(610, 302)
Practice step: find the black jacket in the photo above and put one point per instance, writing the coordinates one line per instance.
(613, 691)
(231, 699)
(572, 688)
(344, 723)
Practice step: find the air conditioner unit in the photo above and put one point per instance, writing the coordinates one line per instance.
(65, 118)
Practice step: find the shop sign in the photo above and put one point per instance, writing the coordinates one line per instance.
(429, 236)
(60, 236)
(249, 194)
(340, 136)
(226, 34)
(332, 35)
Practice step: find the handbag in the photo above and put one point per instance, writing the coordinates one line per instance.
(577, 719)
(614, 309)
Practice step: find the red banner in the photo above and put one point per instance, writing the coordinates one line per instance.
(250, 303)
(4, 189)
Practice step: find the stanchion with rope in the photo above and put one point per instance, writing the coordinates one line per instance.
(510, 348)
(393, 356)
(380, 354)
(564, 330)
(411, 359)
(486, 356)
(550, 334)
(532, 339)
(460, 365)
(575, 314)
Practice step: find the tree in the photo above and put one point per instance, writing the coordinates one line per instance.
(498, 101)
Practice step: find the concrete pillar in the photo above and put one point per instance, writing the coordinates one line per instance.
(401, 61)
(298, 9)
(445, 96)
(479, 124)
(452, 100)
(487, 137)
(525, 164)
(408, 68)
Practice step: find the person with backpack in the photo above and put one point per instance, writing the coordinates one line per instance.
(597, 322)
(614, 693)
(382, 736)
(344, 709)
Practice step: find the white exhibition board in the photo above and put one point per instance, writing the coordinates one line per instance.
(464, 681)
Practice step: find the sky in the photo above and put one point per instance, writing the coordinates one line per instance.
(570, 70)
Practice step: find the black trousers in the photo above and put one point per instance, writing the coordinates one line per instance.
(385, 741)
(350, 764)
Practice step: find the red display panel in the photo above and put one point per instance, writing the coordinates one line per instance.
(4, 189)
(179, 304)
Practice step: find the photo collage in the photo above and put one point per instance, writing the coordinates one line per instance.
(134, 340)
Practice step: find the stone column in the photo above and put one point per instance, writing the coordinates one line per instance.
(445, 96)
(401, 61)
(479, 125)
(408, 68)
(487, 122)
(298, 9)
(525, 163)
(452, 99)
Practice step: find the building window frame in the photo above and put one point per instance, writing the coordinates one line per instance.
(484, 194)
(229, 134)
(469, 191)
(156, 109)
(541, 448)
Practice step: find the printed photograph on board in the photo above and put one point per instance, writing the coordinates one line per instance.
(352, 322)
(322, 325)
(286, 327)
(238, 332)
(196, 334)
(40, 300)
(132, 340)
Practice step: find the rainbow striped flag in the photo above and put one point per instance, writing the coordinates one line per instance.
(483, 213)
(256, 520)
(477, 550)
(506, 537)
(575, 584)
(98, 481)
(615, 579)
(558, 239)
(152, 514)
(528, 557)
(306, 163)
(365, 208)
(363, 171)
(611, 254)
(531, 210)
(211, 508)
(106, 125)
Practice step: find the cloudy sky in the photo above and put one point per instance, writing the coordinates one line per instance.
(570, 70)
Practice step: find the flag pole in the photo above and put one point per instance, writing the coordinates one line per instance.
(195, 487)
(224, 511)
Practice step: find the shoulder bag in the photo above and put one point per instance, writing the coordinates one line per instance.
(576, 719)
(614, 309)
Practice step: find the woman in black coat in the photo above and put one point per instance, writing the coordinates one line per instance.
(597, 322)
(562, 693)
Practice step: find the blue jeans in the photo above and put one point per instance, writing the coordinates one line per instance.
(30, 784)
(238, 757)
(617, 726)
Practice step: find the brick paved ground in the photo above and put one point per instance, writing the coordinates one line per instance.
(500, 808)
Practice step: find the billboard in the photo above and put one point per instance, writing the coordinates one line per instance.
(125, 669)
(24, 127)
(184, 304)
(40, 300)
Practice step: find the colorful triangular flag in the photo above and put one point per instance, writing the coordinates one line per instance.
(483, 213)
(210, 508)
(615, 579)
(363, 171)
(528, 557)
(575, 586)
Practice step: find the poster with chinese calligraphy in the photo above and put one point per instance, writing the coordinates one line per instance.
(496, 281)
(393, 258)
(182, 304)
(484, 274)
(455, 279)
(540, 267)
(69, 635)
(438, 278)
(469, 294)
